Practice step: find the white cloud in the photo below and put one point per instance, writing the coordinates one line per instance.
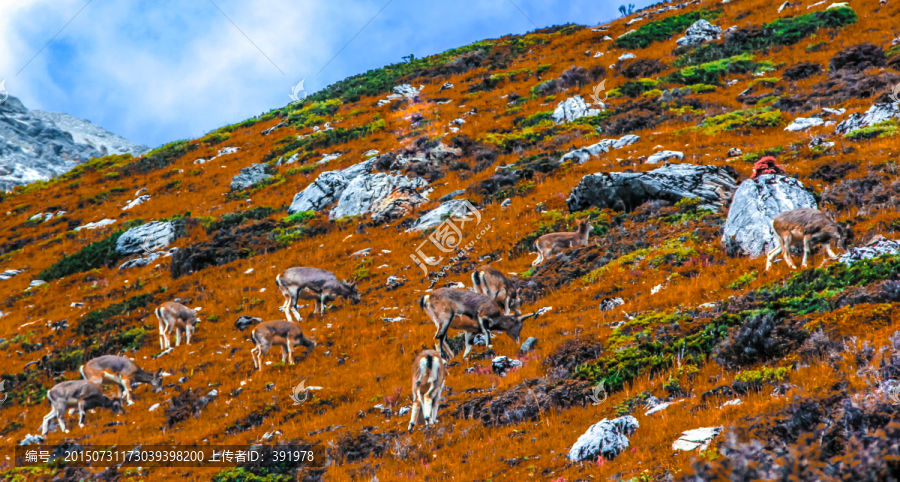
(153, 72)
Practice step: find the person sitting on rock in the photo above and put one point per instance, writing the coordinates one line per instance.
(767, 165)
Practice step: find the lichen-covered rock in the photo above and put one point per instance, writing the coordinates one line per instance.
(803, 123)
(250, 176)
(367, 191)
(571, 109)
(622, 191)
(877, 113)
(146, 238)
(608, 438)
(756, 202)
(396, 205)
(873, 249)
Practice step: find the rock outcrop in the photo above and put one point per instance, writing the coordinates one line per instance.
(571, 109)
(583, 154)
(367, 191)
(625, 191)
(146, 238)
(37, 145)
(456, 207)
(756, 202)
(877, 113)
(327, 188)
(250, 176)
(700, 32)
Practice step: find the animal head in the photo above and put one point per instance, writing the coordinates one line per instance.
(156, 381)
(350, 292)
(511, 324)
(515, 303)
(117, 405)
(584, 224)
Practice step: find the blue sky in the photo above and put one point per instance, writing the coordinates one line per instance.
(161, 70)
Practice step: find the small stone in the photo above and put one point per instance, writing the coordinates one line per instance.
(608, 304)
(528, 345)
(506, 202)
(734, 152)
(501, 365)
(154, 407)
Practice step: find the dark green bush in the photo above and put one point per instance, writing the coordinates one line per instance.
(230, 220)
(783, 31)
(95, 255)
(159, 157)
(102, 319)
(663, 29)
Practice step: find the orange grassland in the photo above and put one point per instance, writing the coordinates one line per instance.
(378, 354)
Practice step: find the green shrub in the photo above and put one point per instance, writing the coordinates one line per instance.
(299, 216)
(230, 220)
(762, 376)
(755, 156)
(101, 320)
(635, 89)
(756, 118)
(95, 255)
(538, 118)
(663, 29)
(783, 31)
(159, 157)
(885, 128)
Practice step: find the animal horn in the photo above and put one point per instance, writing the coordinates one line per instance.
(529, 315)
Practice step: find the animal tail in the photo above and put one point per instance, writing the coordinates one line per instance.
(423, 301)
(476, 280)
(253, 337)
(81, 370)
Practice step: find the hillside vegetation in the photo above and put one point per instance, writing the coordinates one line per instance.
(811, 353)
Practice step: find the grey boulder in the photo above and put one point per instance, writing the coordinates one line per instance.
(396, 205)
(367, 191)
(582, 155)
(876, 247)
(698, 33)
(503, 364)
(608, 438)
(321, 193)
(250, 176)
(756, 202)
(622, 191)
(146, 238)
(455, 208)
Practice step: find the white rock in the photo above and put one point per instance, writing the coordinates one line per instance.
(874, 248)
(598, 54)
(803, 123)
(626, 56)
(664, 156)
(627, 33)
(154, 407)
(571, 109)
(608, 438)
(838, 5)
(658, 408)
(139, 200)
(736, 401)
(877, 113)
(10, 273)
(697, 438)
(700, 32)
(95, 225)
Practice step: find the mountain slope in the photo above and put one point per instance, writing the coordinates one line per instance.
(38, 145)
(657, 307)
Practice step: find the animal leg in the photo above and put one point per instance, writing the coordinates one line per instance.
(508, 311)
(436, 404)
(805, 251)
(126, 384)
(414, 413)
(486, 332)
(829, 250)
(322, 303)
(187, 331)
(468, 337)
(286, 306)
(81, 414)
(254, 352)
(778, 248)
(45, 427)
(290, 352)
(426, 407)
(786, 250)
(177, 336)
